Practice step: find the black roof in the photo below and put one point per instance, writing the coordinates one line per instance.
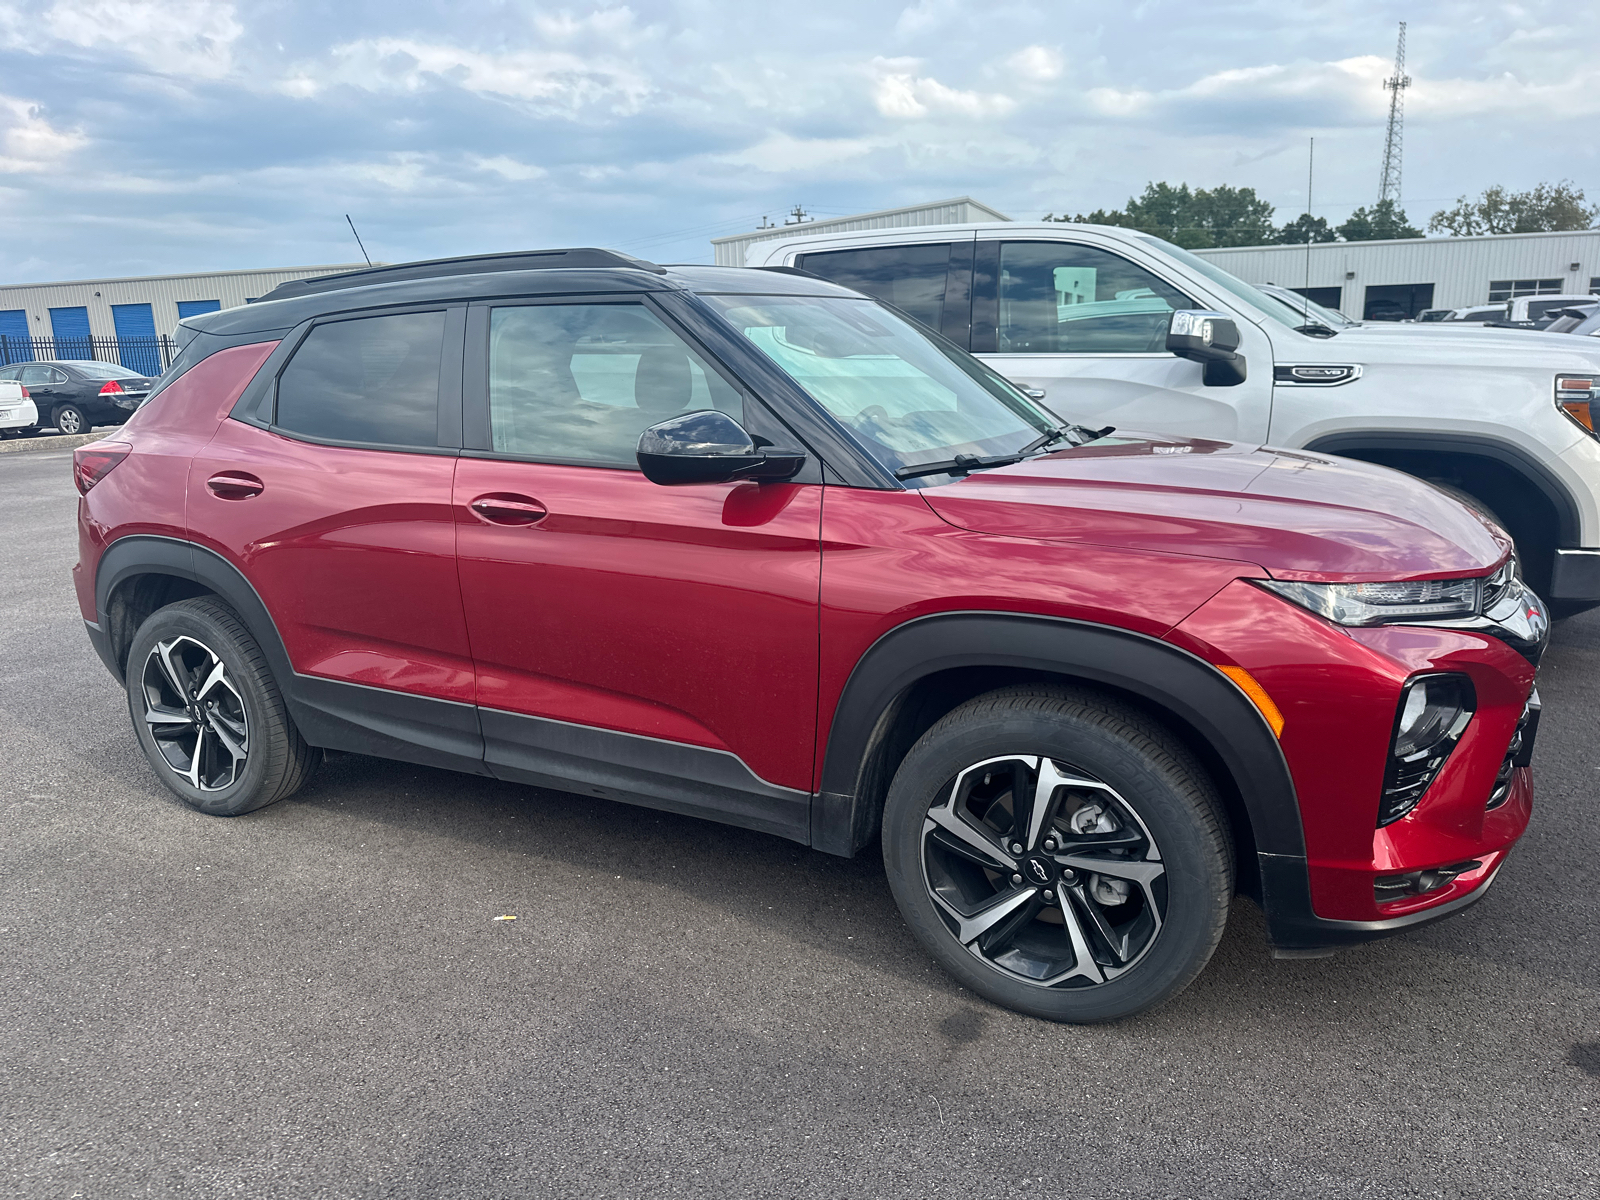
(580, 271)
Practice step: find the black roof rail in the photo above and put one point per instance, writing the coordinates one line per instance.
(794, 271)
(475, 264)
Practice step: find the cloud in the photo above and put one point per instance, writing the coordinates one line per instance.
(28, 142)
(549, 82)
(1037, 64)
(1342, 90)
(189, 38)
(900, 93)
(782, 153)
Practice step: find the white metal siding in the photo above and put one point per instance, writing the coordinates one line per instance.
(161, 292)
(1460, 269)
(730, 251)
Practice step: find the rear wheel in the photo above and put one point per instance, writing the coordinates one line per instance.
(208, 714)
(69, 419)
(1059, 853)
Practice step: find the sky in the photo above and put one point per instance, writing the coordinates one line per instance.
(191, 135)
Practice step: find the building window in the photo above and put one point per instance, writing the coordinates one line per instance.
(1510, 289)
(1594, 285)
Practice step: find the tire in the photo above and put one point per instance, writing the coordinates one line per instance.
(69, 419)
(1127, 877)
(199, 689)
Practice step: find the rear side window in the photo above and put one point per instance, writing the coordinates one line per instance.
(373, 380)
(912, 278)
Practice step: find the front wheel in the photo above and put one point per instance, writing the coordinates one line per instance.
(1059, 853)
(208, 714)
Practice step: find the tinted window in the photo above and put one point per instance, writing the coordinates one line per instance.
(375, 379)
(912, 278)
(581, 382)
(36, 373)
(1057, 298)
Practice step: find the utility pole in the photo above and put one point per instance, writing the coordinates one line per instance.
(1396, 84)
(796, 216)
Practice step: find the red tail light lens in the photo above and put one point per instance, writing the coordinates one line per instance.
(111, 387)
(92, 463)
(26, 394)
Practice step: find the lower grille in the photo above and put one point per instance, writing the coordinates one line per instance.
(1518, 754)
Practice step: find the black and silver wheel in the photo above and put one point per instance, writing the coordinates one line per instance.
(1060, 854)
(69, 418)
(208, 713)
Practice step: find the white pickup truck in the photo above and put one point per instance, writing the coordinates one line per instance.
(1082, 314)
(17, 411)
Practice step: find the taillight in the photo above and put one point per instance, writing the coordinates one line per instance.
(26, 394)
(1575, 394)
(111, 388)
(92, 463)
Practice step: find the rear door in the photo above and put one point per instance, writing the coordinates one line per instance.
(653, 644)
(334, 500)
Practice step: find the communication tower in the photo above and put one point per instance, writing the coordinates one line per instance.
(1396, 84)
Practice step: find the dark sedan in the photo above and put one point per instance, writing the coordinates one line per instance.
(76, 395)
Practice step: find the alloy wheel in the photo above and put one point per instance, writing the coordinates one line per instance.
(70, 421)
(196, 716)
(1044, 873)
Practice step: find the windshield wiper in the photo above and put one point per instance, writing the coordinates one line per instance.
(963, 464)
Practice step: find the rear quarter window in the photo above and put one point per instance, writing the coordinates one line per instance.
(371, 380)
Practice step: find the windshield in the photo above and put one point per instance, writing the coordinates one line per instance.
(908, 398)
(1229, 283)
(103, 370)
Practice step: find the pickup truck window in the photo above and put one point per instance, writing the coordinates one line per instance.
(1062, 298)
(912, 278)
(1228, 283)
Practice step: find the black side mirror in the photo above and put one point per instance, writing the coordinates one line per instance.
(1209, 338)
(710, 447)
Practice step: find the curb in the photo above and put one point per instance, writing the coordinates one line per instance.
(57, 442)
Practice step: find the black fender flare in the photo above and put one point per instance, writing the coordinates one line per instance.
(1166, 677)
(1535, 473)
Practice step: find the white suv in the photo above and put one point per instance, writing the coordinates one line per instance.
(17, 411)
(1082, 314)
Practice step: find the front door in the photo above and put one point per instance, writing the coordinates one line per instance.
(652, 644)
(1088, 327)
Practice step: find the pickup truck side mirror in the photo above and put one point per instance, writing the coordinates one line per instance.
(1209, 338)
(710, 447)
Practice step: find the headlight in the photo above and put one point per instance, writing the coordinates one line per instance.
(1575, 394)
(1384, 603)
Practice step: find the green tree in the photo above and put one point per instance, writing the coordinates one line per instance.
(1547, 208)
(1382, 221)
(1195, 219)
(1306, 228)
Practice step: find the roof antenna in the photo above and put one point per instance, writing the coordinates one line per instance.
(364, 253)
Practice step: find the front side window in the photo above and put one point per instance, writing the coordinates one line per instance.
(908, 398)
(580, 382)
(912, 278)
(1060, 298)
(372, 380)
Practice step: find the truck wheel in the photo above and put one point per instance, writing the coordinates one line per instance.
(69, 419)
(1059, 853)
(208, 714)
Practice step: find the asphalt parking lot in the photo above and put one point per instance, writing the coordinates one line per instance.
(315, 1000)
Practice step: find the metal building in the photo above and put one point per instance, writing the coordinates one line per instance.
(124, 320)
(730, 251)
(1397, 279)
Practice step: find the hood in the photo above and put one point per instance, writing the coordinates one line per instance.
(1297, 515)
(1461, 345)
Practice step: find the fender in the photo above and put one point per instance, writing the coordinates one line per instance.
(846, 810)
(331, 714)
(1519, 460)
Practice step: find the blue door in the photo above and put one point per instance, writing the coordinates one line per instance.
(136, 338)
(193, 308)
(70, 327)
(16, 343)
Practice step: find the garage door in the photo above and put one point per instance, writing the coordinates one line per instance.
(136, 338)
(16, 343)
(70, 327)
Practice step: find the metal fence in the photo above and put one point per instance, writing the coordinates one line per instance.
(147, 355)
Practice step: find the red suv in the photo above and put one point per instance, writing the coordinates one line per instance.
(747, 545)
